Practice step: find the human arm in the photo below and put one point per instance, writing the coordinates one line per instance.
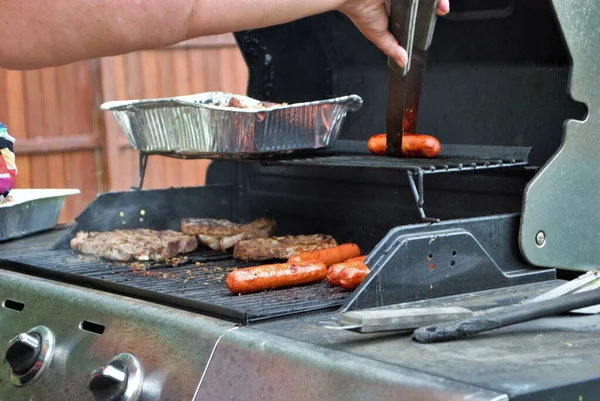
(64, 31)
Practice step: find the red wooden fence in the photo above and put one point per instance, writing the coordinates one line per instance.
(65, 141)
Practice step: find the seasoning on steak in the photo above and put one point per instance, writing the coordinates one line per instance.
(221, 235)
(281, 247)
(131, 245)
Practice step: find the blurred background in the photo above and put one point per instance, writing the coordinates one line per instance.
(65, 141)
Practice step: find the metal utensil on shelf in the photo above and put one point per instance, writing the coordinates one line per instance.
(400, 319)
(381, 320)
(492, 320)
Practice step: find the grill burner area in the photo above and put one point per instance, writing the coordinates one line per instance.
(198, 284)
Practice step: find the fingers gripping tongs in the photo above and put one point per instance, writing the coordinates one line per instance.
(412, 23)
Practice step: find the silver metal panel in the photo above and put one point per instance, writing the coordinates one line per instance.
(172, 346)
(202, 125)
(561, 209)
(252, 365)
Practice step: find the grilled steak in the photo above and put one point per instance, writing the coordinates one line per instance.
(221, 235)
(130, 245)
(281, 247)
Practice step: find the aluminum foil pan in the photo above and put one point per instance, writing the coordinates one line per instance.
(31, 210)
(207, 125)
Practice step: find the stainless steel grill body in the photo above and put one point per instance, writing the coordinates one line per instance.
(173, 346)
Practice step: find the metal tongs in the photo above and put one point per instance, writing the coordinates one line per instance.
(412, 22)
(459, 321)
(383, 320)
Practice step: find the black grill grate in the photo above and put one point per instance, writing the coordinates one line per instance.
(453, 158)
(198, 284)
(428, 166)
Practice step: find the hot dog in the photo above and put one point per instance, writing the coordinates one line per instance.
(333, 273)
(329, 256)
(357, 259)
(351, 277)
(377, 144)
(265, 277)
(417, 145)
(413, 145)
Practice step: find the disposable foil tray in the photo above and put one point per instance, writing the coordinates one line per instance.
(31, 210)
(206, 125)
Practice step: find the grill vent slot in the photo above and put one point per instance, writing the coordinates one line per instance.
(92, 327)
(13, 305)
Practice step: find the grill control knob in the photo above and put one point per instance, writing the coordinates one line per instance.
(119, 380)
(23, 351)
(109, 382)
(28, 354)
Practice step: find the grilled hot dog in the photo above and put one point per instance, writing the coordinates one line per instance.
(265, 277)
(413, 145)
(357, 259)
(351, 277)
(329, 256)
(334, 272)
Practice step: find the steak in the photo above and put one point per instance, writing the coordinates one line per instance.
(281, 247)
(221, 235)
(131, 245)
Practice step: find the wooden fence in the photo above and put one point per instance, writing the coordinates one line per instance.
(65, 141)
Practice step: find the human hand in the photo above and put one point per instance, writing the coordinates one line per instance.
(371, 18)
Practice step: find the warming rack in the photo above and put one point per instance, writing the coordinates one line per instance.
(352, 154)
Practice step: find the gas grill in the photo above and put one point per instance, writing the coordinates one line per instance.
(475, 227)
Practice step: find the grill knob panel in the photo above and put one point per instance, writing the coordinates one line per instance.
(119, 380)
(28, 354)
